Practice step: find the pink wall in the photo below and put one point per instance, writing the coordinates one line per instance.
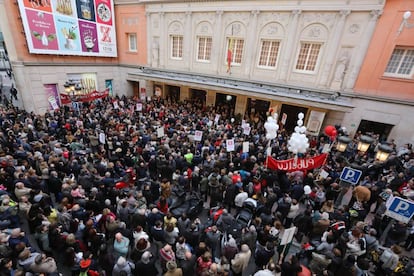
(131, 19)
(371, 80)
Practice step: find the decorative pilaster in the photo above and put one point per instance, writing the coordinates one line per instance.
(356, 63)
(290, 40)
(163, 40)
(250, 49)
(333, 46)
(217, 55)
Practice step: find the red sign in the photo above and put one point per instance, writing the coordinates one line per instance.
(296, 164)
(66, 99)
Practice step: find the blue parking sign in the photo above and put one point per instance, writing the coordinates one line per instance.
(350, 175)
(400, 209)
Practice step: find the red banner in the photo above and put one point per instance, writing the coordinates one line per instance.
(66, 99)
(296, 164)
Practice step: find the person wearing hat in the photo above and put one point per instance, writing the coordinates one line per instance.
(321, 225)
(123, 267)
(173, 270)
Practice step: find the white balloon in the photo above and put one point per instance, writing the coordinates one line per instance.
(301, 116)
(232, 120)
(297, 129)
(302, 129)
(307, 189)
(300, 122)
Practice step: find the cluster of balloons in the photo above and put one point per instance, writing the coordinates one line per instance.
(331, 132)
(298, 142)
(271, 127)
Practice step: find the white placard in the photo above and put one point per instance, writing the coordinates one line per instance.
(245, 146)
(284, 118)
(326, 148)
(198, 135)
(268, 151)
(323, 174)
(243, 123)
(139, 107)
(52, 101)
(116, 106)
(216, 119)
(209, 123)
(246, 130)
(102, 138)
(160, 132)
(288, 235)
(230, 144)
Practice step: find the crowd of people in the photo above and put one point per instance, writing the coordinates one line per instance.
(97, 185)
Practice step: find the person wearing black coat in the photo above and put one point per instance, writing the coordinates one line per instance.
(188, 264)
(146, 266)
(263, 255)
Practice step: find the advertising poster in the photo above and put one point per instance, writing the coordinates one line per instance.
(104, 12)
(85, 9)
(52, 95)
(315, 122)
(42, 30)
(37, 5)
(88, 37)
(64, 7)
(69, 27)
(108, 85)
(107, 41)
(68, 33)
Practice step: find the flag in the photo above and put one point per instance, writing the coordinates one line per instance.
(230, 54)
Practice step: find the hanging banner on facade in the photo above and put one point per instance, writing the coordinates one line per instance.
(69, 27)
(52, 95)
(295, 164)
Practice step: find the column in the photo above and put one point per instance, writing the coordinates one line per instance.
(289, 45)
(216, 51)
(332, 47)
(149, 39)
(188, 40)
(251, 44)
(356, 63)
(163, 45)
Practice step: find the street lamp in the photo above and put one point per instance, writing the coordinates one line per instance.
(405, 23)
(342, 143)
(364, 143)
(383, 153)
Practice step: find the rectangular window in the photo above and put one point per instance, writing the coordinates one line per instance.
(235, 47)
(132, 42)
(269, 53)
(308, 56)
(401, 63)
(204, 48)
(176, 47)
